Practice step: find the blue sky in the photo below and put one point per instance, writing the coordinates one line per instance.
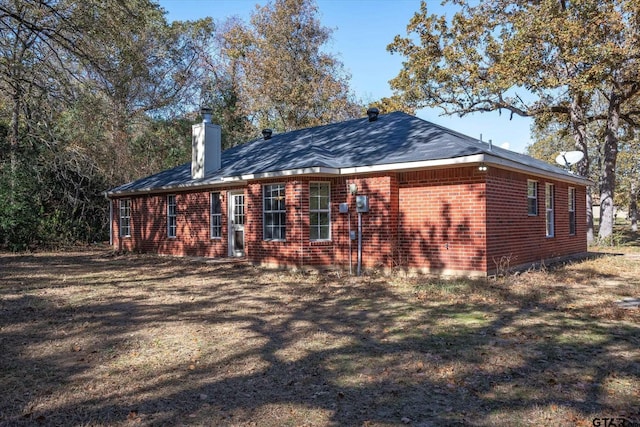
(362, 29)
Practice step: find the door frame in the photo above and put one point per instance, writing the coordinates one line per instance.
(232, 227)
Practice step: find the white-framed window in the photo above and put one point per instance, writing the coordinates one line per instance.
(172, 220)
(216, 215)
(274, 213)
(572, 210)
(532, 197)
(125, 217)
(319, 211)
(549, 205)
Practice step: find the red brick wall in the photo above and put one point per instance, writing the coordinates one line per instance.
(436, 220)
(441, 220)
(379, 233)
(515, 236)
(149, 225)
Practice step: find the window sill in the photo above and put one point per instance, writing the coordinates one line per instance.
(321, 242)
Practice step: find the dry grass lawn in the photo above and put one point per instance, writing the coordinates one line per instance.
(90, 338)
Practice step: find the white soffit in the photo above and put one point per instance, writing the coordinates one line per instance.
(390, 167)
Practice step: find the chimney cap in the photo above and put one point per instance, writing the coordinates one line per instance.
(266, 133)
(372, 113)
(206, 114)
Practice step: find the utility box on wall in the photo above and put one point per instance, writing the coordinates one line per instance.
(362, 204)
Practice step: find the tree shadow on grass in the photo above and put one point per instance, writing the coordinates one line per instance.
(237, 346)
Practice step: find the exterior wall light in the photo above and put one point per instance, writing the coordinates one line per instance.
(353, 188)
(482, 167)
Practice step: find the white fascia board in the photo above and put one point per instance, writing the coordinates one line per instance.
(389, 167)
(316, 170)
(172, 188)
(519, 167)
(423, 164)
(467, 160)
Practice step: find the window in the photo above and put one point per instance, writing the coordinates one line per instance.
(274, 212)
(171, 216)
(239, 214)
(532, 197)
(216, 216)
(319, 211)
(572, 211)
(549, 209)
(125, 218)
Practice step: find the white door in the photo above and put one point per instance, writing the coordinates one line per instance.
(236, 223)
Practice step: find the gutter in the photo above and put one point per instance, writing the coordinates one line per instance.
(315, 170)
(519, 167)
(488, 159)
(171, 188)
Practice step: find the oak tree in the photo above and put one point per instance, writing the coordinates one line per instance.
(286, 80)
(530, 58)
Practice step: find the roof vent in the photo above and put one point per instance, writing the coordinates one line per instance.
(266, 133)
(373, 114)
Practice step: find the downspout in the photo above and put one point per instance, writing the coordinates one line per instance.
(300, 225)
(350, 249)
(359, 244)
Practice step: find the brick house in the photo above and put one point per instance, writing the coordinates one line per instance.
(436, 201)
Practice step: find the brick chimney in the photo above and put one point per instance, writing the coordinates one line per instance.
(206, 146)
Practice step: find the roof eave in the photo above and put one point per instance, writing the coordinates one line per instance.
(226, 180)
(314, 170)
(490, 160)
(171, 188)
(407, 166)
(519, 167)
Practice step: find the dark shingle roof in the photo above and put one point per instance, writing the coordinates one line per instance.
(393, 138)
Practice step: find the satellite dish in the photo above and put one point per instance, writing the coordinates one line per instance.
(569, 158)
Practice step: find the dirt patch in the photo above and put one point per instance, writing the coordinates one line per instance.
(89, 338)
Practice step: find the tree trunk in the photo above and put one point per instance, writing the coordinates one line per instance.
(14, 136)
(590, 232)
(579, 129)
(608, 175)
